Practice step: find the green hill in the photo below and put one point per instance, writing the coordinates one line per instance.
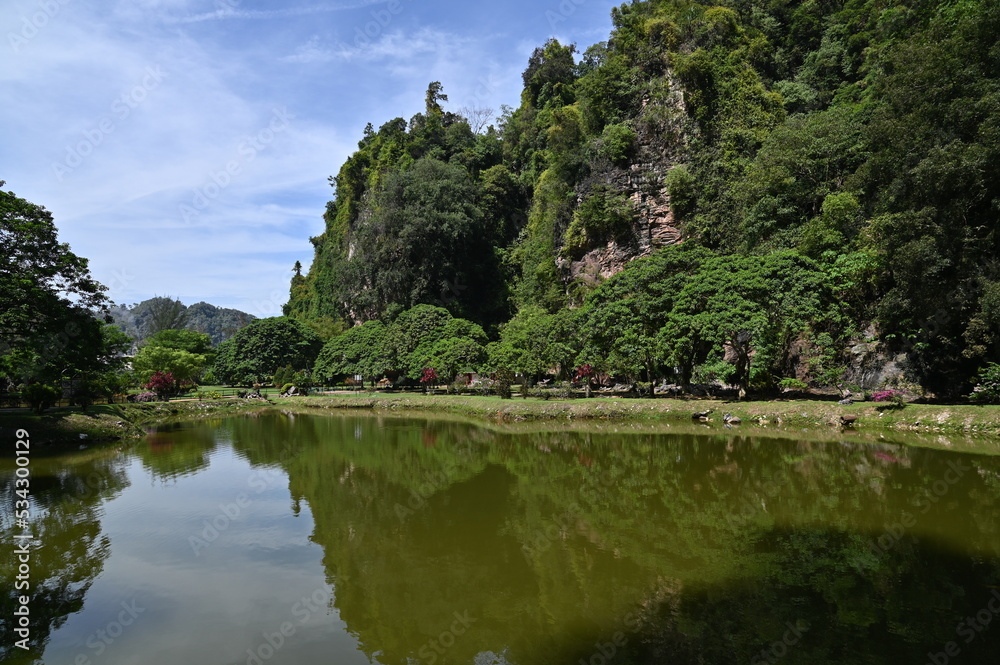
(853, 147)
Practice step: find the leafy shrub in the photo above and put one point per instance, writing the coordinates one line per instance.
(603, 215)
(616, 143)
(683, 190)
(285, 388)
(163, 384)
(283, 376)
(40, 396)
(146, 397)
(503, 379)
(987, 390)
(793, 384)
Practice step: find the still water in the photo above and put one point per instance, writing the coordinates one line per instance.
(299, 539)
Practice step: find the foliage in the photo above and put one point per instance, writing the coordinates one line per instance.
(617, 143)
(183, 340)
(792, 383)
(143, 319)
(184, 365)
(892, 396)
(47, 302)
(164, 384)
(863, 138)
(534, 343)
(987, 390)
(256, 352)
(359, 350)
(429, 376)
(602, 216)
(40, 396)
(503, 379)
(424, 336)
(424, 242)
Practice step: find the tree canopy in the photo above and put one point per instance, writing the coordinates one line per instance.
(256, 352)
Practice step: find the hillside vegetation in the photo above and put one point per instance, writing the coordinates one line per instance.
(744, 191)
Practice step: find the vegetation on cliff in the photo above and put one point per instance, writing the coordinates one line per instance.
(848, 149)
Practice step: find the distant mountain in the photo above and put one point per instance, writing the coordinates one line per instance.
(150, 316)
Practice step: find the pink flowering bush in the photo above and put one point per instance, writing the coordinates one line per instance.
(889, 396)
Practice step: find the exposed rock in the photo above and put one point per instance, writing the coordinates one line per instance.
(663, 132)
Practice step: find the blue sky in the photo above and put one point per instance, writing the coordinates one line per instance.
(184, 146)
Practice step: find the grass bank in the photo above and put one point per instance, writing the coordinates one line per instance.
(64, 427)
(71, 426)
(787, 413)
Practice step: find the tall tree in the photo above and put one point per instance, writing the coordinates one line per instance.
(47, 295)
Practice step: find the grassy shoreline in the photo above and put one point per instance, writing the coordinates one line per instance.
(63, 427)
(793, 413)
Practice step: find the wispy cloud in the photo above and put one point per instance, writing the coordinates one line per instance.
(229, 10)
(79, 91)
(397, 46)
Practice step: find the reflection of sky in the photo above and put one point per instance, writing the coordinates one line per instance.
(259, 572)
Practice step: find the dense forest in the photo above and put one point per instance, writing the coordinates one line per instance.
(750, 192)
(145, 319)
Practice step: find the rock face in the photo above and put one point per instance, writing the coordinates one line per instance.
(663, 131)
(654, 228)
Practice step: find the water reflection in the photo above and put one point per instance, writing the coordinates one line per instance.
(66, 498)
(446, 542)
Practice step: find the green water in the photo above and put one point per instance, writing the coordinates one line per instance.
(284, 539)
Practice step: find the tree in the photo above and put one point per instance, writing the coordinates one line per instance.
(358, 350)
(548, 80)
(535, 342)
(749, 310)
(166, 314)
(425, 242)
(256, 352)
(183, 365)
(623, 318)
(164, 384)
(182, 340)
(46, 297)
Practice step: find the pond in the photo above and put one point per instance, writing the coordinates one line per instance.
(287, 538)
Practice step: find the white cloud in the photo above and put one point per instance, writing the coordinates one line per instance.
(163, 95)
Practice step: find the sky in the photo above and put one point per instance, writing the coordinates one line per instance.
(184, 146)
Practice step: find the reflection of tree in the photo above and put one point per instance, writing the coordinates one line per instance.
(551, 540)
(68, 551)
(168, 457)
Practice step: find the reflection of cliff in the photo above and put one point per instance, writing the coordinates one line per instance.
(68, 552)
(551, 541)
